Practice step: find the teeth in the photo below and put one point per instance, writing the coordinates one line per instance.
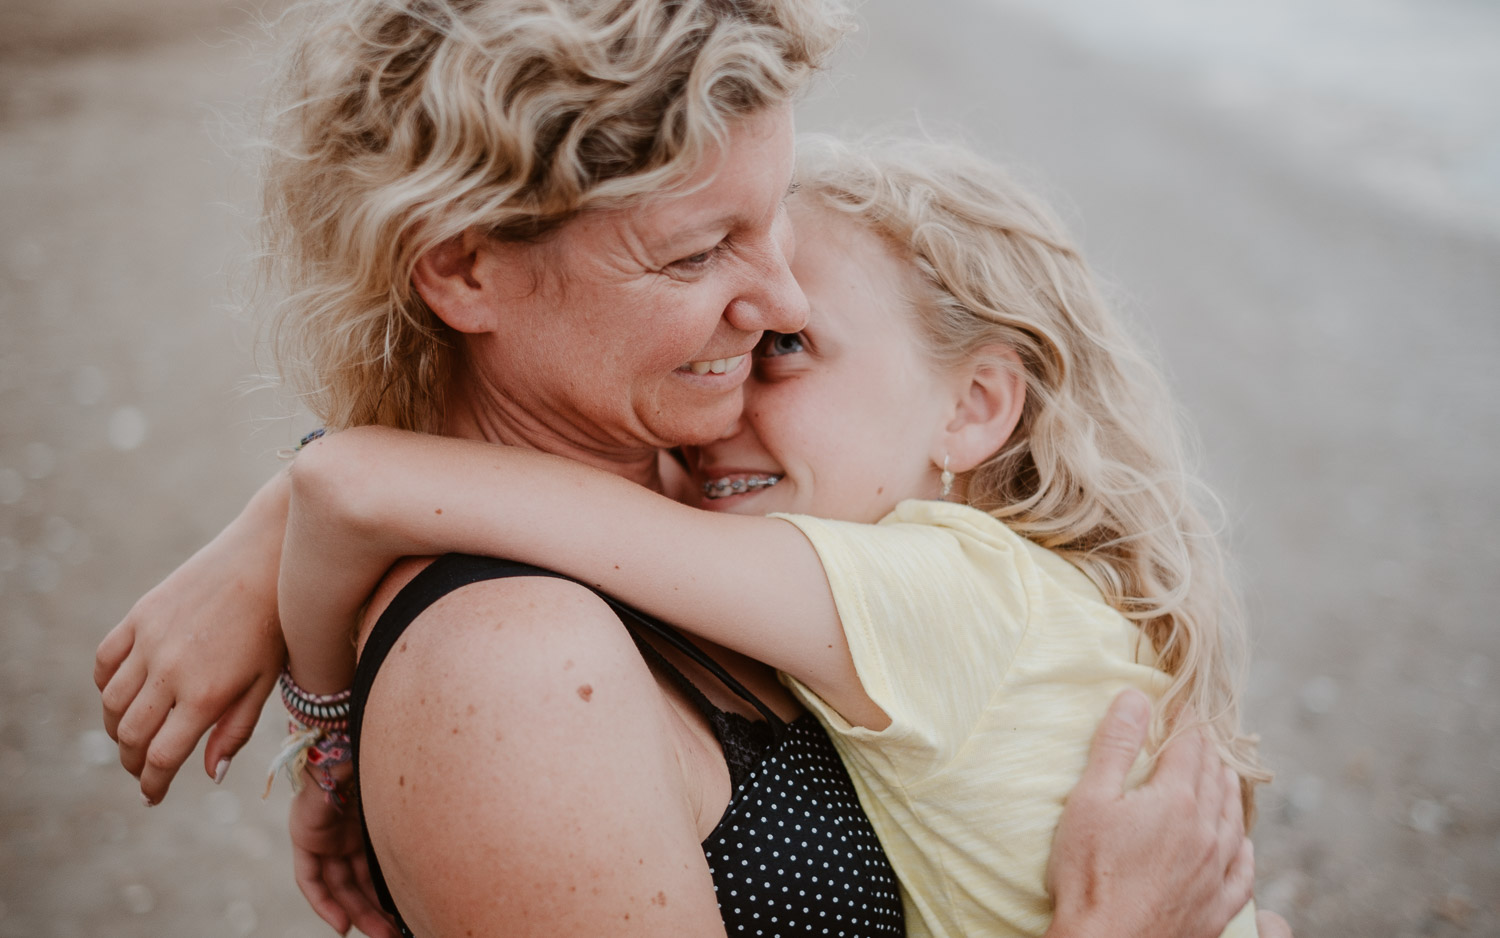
(718, 366)
(723, 488)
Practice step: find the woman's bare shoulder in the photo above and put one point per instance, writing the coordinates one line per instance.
(517, 746)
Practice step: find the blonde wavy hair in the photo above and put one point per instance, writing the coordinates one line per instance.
(397, 124)
(1096, 470)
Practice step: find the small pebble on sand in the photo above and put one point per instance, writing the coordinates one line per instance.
(1428, 816)
(96, 748)
(241, 917)
(138, 898)
(1319, 695)
(127, 428)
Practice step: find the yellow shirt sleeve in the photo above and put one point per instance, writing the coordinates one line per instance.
(934, 614)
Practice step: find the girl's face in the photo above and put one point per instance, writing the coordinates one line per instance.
(847, 414)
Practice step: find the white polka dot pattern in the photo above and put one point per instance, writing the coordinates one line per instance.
(794, 853)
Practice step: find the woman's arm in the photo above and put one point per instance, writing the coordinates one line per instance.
(201, 650)
(362, 498)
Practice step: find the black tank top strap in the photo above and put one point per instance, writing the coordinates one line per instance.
(454, 571)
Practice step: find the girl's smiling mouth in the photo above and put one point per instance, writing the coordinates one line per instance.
(737, 484)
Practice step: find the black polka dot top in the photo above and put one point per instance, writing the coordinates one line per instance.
(794, 853)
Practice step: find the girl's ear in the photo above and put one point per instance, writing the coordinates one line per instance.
(465, 279)
(991, 395)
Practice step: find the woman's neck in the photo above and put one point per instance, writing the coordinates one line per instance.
(474, 415)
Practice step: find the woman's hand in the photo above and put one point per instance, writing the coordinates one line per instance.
(328, 856)
(1167, 858)
(200, 650)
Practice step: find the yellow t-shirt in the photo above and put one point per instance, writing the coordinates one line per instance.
(995, 659)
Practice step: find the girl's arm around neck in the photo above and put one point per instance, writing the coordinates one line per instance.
(365, 497)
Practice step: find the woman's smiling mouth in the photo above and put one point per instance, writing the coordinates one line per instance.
(717, 366)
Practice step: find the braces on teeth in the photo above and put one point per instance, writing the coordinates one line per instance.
(723, 488)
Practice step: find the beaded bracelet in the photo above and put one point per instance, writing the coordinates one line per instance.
(326, 711)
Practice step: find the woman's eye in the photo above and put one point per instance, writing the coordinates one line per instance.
(695, 261)
(776, 344)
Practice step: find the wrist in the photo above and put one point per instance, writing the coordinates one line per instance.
(317, 747)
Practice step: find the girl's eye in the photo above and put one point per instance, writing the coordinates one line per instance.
(776, 344)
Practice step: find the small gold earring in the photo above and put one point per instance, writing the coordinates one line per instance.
(946, 477)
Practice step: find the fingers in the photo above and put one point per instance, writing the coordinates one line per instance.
(1271, 925)
(112, 652)
(1181, 763)
(138, 727)
(349, 892)
(169, 749)
(307, 867)
(1231, 817)
(119, 693)
(233, 730)
(1117, 742)
(1209, 784)
(1239, 880)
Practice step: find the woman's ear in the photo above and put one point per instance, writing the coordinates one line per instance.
(991, 393)
(465, 279)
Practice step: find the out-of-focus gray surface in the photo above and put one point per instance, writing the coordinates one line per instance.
(1334, 343)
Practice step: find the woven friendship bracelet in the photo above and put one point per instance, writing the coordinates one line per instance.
(325, 711)
(318, 751)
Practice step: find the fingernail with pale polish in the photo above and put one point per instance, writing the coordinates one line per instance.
(147, 801)
(221, 770)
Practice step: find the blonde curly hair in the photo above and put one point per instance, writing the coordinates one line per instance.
(397, 124)
(1096, 470)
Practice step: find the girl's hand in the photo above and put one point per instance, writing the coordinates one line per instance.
(200, 650)
(328, 855)
(1167, 858)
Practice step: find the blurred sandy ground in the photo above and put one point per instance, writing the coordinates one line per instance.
(1333, 330)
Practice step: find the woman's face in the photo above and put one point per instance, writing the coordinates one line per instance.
(846, 414)
(633, 328)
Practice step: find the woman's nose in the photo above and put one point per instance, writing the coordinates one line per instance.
(772, 300)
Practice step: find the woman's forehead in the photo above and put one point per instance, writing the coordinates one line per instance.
(739, 182)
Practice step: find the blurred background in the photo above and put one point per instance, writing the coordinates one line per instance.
(1299, 200)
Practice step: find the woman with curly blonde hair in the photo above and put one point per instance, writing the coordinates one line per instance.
(558, 225)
